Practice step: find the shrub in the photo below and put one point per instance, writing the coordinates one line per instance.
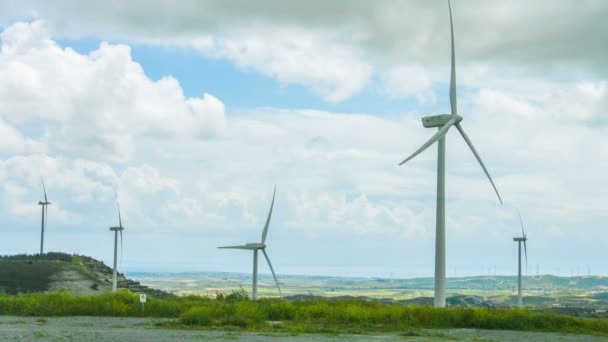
(237, 296)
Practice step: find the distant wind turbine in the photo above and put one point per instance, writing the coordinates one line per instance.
(120, 228)
(45, 214)
(444, 122)
(255, 247)
(523, 238)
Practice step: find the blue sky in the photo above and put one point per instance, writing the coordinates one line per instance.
(193, 119)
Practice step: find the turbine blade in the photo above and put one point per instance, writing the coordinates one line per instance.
(453, 70)
(523, 233)
(440, 133)
(468, 141)
(265, 232)
(119, 218)
(44, 189)
(238, 247)
(272, 270)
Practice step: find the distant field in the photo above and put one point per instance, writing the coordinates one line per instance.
(545, 291)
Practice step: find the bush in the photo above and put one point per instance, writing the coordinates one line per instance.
(241, 314)
(234, 296)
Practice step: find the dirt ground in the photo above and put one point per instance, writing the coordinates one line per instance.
(144, 329)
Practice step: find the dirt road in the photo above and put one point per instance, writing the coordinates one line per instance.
(144, 329)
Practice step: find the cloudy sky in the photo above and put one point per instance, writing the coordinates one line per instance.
(191, 113)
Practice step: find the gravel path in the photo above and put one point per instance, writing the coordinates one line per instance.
(143, 329)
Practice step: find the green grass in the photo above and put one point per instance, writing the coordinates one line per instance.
(236, 312)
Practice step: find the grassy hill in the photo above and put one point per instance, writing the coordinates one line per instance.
(76, 274)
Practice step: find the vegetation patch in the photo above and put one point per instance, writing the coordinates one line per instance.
(39, 334)
(19, 275)
(235, 312)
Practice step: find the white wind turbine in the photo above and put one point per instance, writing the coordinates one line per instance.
(120, 228)
(45, 215)
(255, 247)
(519, 240)
(444, 122)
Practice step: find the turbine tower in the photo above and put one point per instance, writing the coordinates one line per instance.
(44, 206)
(444, 122)
(255, 247)
(120, 228)
(519, 240)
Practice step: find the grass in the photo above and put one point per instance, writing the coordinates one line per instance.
(236, 312)
(39, 334)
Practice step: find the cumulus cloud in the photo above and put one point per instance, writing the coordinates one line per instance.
(388, 33)
(330, 182)
(71, 185)
(332, 71)
(408, 80)
(94, 104)
(13, 141)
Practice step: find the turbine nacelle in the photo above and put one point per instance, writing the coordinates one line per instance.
(439, 120)
(116, 228)
(256, 245)
(43, 203)
(248, 246)
(520, 239)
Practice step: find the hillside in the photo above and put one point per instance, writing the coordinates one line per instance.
(76, 274)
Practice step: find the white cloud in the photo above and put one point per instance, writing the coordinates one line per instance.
(95, 104)
(408, 80)
(13, 141)
(86, 182)
(333, 49)
(330, 181)
(585, 102)
(331, 70)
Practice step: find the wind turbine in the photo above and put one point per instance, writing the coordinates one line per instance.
(255, 247)
(523, 238)
(44, 206)
(120, 228)
(444, 122)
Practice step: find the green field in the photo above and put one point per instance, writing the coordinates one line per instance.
(583, 296)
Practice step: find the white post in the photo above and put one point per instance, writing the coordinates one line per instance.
(142, 300)
(114, 275)
(254, 293)
(440, 229)
(519, 299)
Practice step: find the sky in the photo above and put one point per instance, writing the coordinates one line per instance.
(190, 113)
